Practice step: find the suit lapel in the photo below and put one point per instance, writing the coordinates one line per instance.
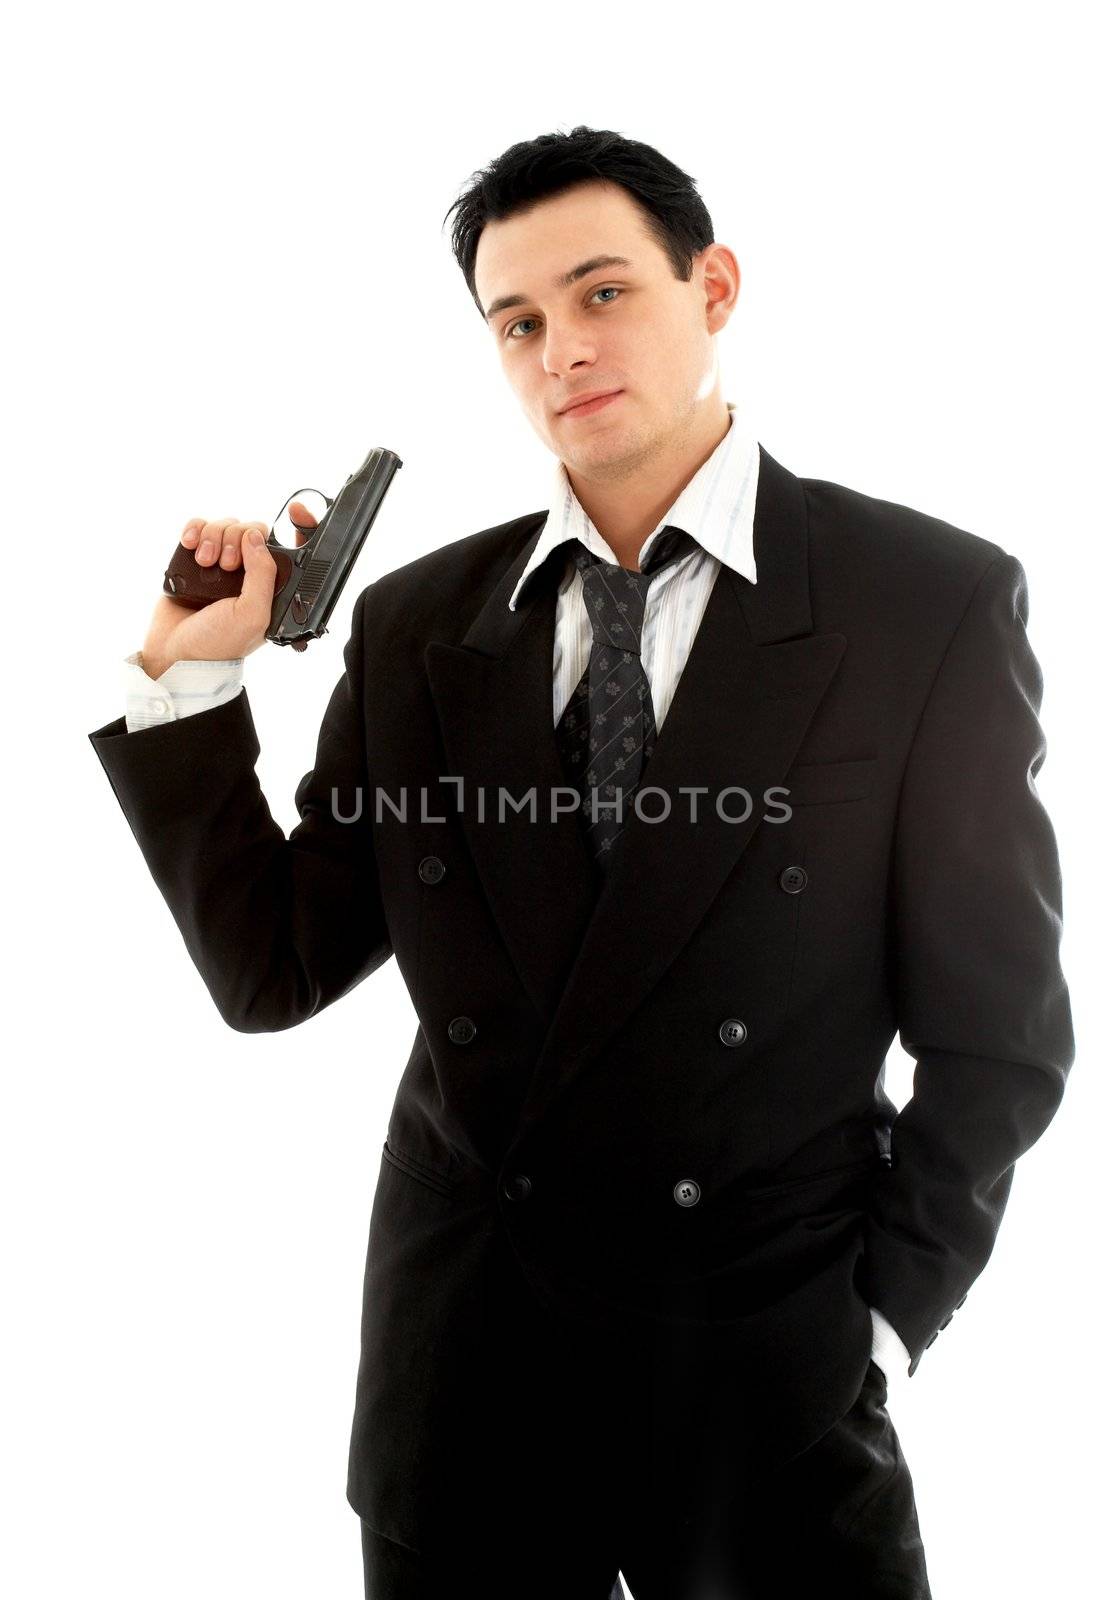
(754, 678)
(494, 699)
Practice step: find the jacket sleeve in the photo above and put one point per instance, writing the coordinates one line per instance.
(981, 1001)
(277, 927)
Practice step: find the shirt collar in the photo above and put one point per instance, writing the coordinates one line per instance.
(716, 506)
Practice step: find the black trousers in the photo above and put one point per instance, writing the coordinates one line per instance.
(839, 1521)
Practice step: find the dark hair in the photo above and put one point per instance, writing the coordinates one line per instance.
(676, 216)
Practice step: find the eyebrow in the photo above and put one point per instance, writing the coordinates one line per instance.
(563, 281)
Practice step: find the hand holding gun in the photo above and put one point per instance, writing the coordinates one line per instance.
(241, 586)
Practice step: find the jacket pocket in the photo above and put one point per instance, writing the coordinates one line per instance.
(849, 1170)
(819, 783)
(418, 1170)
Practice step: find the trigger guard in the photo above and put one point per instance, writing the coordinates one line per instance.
(308, 489)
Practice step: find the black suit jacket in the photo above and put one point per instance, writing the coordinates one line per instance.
(581, 1100)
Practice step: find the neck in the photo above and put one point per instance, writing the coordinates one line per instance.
(626, 509)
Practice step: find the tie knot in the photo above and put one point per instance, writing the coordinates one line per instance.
(616, 597)
(668, 545)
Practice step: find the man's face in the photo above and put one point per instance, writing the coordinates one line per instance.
(635, 328)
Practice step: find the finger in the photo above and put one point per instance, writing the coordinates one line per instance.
(192, 532)
(305, 517)
(233, 540)
(304, 521)
(230, 545)
(211, 540)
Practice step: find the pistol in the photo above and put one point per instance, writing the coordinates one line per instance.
(309, 578)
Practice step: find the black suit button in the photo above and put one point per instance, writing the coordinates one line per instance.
(733, 1031)
(462, 1030)
(518, 1187)
(687, 1192)
(431, 869)
(793, 879)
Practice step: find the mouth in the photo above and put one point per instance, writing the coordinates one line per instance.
(590, 406)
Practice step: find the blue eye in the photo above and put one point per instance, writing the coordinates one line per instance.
(605, 289)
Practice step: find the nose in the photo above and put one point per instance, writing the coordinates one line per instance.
(566, 349)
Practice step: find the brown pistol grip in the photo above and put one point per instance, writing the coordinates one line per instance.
(191, 584)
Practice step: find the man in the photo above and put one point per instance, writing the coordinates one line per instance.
(696, 787)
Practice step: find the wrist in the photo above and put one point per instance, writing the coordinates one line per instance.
(153, 664)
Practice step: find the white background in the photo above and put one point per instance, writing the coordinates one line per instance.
(229, 278)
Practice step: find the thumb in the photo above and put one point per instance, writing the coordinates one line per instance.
(257, 592)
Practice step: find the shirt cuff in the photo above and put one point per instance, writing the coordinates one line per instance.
(185, 688)
(887, 1350)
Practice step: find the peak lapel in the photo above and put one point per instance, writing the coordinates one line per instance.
(494, 699)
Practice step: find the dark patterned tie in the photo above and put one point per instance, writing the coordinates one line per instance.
(607, 731)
